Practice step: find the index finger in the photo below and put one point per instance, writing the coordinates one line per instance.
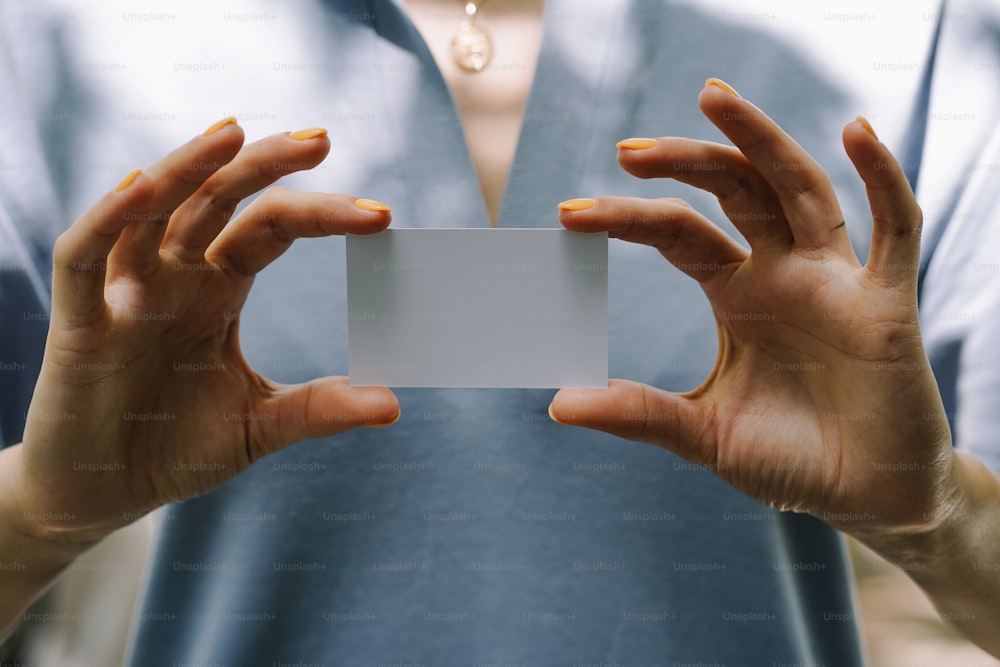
(687, 239)
(265, 230)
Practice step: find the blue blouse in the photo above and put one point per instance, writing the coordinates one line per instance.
(475, 531)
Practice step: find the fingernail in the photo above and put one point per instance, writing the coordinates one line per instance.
(636, 144)
(552, 416)
(372, 205)
(577, 204)
(310, 133)
(725, 86)
(128, 180)
(868, 126)
(388, 423)
(218, 126)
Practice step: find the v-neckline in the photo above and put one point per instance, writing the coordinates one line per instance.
(556, 126)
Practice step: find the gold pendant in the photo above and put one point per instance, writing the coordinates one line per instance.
(471, 47)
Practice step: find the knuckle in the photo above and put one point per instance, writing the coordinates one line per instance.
(62, 251)
(276, 230)
(267, 201)
(272, 171)
(221, 203)
(233, 265)
(918, 217)
(278, 191)
(679, 203)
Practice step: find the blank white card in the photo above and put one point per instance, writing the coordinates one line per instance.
(478, 308)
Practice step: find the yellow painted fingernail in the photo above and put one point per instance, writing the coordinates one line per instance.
(372, 205)
(577, 204)
(388, 423)
(636, 144)
(128, 180)
(868, 126)
(725, 86)
(552, 416)
(218, 126)
(310, 133)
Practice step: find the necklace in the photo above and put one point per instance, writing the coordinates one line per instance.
(471, 46)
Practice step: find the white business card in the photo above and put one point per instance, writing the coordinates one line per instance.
(478, 308)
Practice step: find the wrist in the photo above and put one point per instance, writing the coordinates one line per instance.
(28, 534)
(967, 496)
(30, 557)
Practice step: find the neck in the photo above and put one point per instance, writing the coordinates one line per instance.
(490, 102)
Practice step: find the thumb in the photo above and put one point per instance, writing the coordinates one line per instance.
(325, 407)
(637, 411)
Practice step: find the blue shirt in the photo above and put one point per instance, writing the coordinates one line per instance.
(960, 259)
(475, 531)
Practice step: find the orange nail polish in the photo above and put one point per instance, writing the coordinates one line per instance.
(218, 126)
(388, 423)
(722, 84)
(310, 133)
(636, 144)
(577, 204)
(372, 205)
(128, 180)
(552, 416)
(868, 126)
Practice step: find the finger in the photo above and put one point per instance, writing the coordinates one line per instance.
(80, 257)
(175, 178)
(266, 229)
(321, 408)
(636, 411)
(724, 171)
(895, 249)
(802, 187)
(683, 236)
(199, 220)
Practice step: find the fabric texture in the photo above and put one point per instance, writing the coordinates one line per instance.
(475, 531)
(960, 296)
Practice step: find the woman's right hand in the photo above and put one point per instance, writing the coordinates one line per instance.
(144, 395)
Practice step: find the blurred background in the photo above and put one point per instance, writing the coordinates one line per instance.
(73, 626)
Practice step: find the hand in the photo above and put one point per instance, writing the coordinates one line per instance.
(821, 398)
(144, 396)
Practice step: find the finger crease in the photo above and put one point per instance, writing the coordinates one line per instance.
(224, 205)
(274, 228)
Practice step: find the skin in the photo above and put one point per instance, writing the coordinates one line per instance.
(814, 403)
(490, 103)
(819, 397)
(154, 276)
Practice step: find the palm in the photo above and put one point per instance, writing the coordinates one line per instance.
(818, 392)
(164, 407)
(168, 427)
(808, 401)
